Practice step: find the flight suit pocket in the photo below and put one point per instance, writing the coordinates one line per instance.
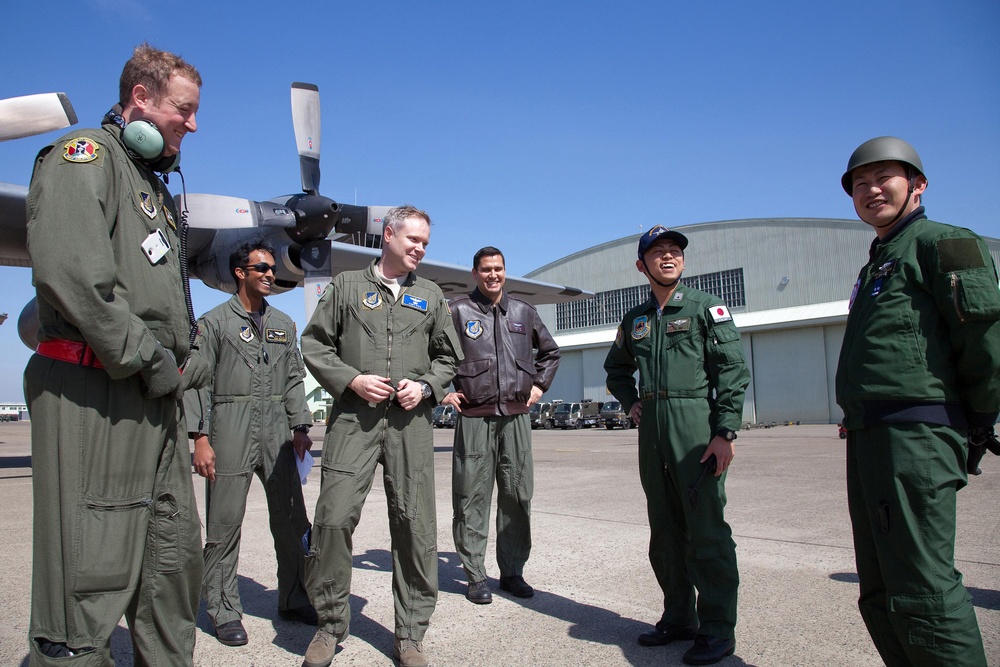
(167, 534)
(975, 295)
(110, 544)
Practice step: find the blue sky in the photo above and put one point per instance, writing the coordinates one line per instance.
(543, 128)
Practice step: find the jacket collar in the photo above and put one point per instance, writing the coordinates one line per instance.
(238, 308)
(369, 272)
(485, 304)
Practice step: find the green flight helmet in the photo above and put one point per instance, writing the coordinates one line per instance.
(881, 149)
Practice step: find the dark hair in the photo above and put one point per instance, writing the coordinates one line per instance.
(488, 251)
(152, 68)
(241, 255)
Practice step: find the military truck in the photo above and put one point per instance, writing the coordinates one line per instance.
(612, 415)
(576, 415)
(444, 416)
(541, 414)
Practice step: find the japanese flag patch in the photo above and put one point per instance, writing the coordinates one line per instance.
(720, 314)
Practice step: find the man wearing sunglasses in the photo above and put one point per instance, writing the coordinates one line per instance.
(253, 421)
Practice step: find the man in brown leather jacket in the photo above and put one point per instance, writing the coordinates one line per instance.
(499, 380)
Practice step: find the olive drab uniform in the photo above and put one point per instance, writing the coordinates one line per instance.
(115, 525)
(919, 364)
(692, 380)
(358, 328)
(257, 396)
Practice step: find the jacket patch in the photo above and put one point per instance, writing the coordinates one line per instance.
(720, 314)
(170, 218)
(959, 254)
(415, 302)
(678, 296)
(147, 205)
(515, 327)
(640, 327)
(682, 324)
(474, 329)
(80, 149)
(619, 337)
(246, 334)
(372, 300)
(276, 335)
(883, 272)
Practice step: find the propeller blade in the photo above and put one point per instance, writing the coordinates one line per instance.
(220, 212)
(306, 121)
(34, 114)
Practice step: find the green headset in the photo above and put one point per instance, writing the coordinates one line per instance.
(143, 140)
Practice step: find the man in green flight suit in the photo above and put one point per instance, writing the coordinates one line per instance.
(383, 344)
(689, 405)
(919, 383)
(258, 423)
(115, 525)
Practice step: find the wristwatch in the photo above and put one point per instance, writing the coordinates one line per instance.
(727, 434)
(301, 428)
(425, 390)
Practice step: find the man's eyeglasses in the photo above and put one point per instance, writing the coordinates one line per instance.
(263, 267)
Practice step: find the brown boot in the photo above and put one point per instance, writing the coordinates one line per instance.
(410, 653)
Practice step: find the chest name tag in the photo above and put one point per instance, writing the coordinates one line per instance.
(473, 329)
(276, 335)
(415, 302)
(640, 327)
(372, 300)
(720, 314)
(515, 327)
(246, 334)
(682, 324)
(883, 272)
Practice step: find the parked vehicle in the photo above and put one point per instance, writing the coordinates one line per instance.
(444, 416)
(576, 415)
(541, 414)
(590, 412)
(612, 415)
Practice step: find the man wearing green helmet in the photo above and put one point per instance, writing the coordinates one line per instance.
(919, 383)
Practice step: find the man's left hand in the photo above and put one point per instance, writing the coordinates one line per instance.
(301, 442)
(724, 452)
(536, 393)
(409, 393)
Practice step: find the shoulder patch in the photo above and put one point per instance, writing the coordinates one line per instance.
(80, 149)
(619, 337)
(720, 314)
(959, 254)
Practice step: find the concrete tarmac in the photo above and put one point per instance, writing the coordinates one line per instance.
(595, 591)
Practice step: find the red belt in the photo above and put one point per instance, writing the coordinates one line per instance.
(71, 351)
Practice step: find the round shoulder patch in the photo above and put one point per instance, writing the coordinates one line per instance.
(80, 149)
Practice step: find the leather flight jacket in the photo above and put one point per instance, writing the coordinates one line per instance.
(500, 365)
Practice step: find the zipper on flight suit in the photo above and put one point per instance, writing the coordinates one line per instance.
(955, 280)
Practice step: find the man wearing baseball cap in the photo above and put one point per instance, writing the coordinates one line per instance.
(919, 383)
(688, 405)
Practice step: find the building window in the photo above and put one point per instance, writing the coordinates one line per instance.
(608, 308)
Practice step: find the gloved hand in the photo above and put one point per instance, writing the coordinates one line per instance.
(980, 439)
(160, 376)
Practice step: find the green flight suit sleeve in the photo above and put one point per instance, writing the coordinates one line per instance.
(444, 350)
(621, 367)
(202, 361)
(294, 393)
(72, 208)
(321, 342)
(727, 373)
(963, 280)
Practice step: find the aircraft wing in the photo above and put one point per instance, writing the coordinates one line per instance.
(456, 280)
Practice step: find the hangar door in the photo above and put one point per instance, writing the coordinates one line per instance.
(791, 378)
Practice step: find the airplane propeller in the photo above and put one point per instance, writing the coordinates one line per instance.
(34, 114)
(306, 217)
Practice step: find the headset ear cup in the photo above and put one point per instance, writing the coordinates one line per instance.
(142, 137)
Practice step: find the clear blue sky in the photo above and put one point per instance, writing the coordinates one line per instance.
(543, 128)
